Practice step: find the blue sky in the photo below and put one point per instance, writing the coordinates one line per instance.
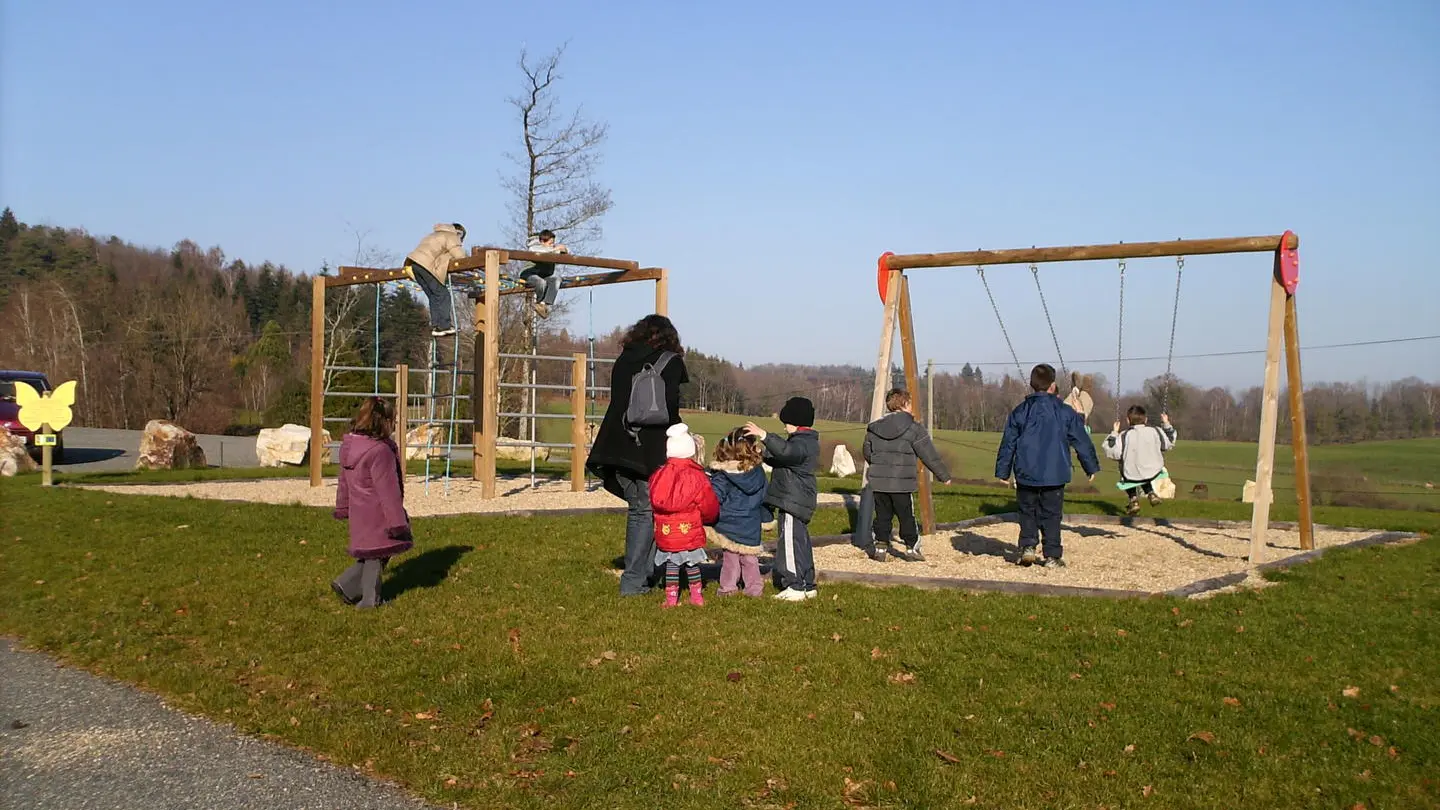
(767, 153)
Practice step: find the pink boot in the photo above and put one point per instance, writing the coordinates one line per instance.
(697, 597)
(672, 596)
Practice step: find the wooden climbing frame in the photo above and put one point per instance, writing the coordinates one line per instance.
(482, 265)
(1283, 328)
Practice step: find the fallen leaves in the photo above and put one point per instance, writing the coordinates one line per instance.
(1203, 736)
(1147, 791)
(947, 757)
(1351, 691)
(424, 716)
(901, 677)
(1187, 622)
(856, 793)
(875, 654)
(1121, 633)
(733, 677)
(1230, 701)
(515, 641)
(1109, 707)
(997, 753)
(1130, 749)
(836, 637)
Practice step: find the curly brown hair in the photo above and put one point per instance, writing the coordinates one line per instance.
(376, 418)
(655, 331)
(740, 448)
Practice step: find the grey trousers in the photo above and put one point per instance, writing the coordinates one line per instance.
(360, 583)
(547, 288)
(441, 305)
(639, 536)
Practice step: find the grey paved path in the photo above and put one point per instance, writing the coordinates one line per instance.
(88, 743)
(104, 449)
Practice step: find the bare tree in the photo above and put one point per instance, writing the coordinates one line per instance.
(553, 187)
(342, 321)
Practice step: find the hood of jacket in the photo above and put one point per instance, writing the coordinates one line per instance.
(749, 481)
(356, 446)
(446, 227)
(892, 426)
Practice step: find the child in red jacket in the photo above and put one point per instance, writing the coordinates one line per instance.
(684, 503)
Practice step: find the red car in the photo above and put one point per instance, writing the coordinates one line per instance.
(10, 410)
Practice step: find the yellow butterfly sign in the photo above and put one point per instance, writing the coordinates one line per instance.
(51, 409)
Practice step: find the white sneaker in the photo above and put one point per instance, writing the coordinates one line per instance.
(815, 594)
(792, 595)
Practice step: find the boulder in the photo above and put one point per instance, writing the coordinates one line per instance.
(1248, 495)
(507, 449)
(424, 439)
(1200, 490)
(14, 455)
(288, 444)
(842, 464)
(167, 446)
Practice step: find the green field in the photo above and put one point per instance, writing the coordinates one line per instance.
(507, 673)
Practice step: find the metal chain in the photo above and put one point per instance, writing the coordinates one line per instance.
(981, 271)
(1174, 318)
(1120, 341)
(1035, 272)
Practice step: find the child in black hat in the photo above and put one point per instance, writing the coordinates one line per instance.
(793, 459)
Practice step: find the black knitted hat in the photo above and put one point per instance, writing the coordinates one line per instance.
(798, 411)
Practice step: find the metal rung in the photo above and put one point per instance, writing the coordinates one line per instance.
(439, 396)
(539, 415)
(360, 368)
(538, 386)
(441, 421)
(380, 394)
(513, 443)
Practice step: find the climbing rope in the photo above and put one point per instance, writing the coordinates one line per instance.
(1001, 321)
(1035, 272)
(1120, 342)
(1174, 317)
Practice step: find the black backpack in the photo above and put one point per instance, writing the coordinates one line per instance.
(647, 406)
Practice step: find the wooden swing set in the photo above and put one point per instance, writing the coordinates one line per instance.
(481, 272)
(894, 288)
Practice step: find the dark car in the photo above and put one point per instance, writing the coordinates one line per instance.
(10, 409)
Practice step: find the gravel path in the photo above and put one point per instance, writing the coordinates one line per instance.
(86, 743)
(463, 496)
(1154, 559)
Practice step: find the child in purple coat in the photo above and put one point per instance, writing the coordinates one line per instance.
(371, 496)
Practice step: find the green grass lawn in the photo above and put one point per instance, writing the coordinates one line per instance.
(507, 673)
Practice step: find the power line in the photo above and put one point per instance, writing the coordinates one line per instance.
(1236, 353)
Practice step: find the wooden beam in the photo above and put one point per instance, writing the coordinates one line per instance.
(350, 276)
(577, 422)
(662, 292)
(1134, 250)
(402, 408)
(490, 401)
(1269, 417)
(317, 376)
(912, 384)
(1298, 440)
(597, 279)
(476, 260)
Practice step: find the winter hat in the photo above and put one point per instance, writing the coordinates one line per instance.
(798, 411)
(679, 443)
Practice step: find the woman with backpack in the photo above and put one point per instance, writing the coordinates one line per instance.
(630, 445)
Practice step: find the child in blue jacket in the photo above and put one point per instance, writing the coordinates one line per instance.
(1036, 450)
(739, 482)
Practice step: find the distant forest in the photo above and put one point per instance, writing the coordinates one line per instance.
(216, 344)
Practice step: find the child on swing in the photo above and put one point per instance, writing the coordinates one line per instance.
(1141, 450)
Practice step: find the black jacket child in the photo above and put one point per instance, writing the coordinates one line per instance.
(793, 461)
(892, 444)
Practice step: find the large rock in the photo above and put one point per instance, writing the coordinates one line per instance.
(14, 455)
(288, 444)
(1248, 494)
(424, 439)
(507, 449)
(842, 464)
(167, 446)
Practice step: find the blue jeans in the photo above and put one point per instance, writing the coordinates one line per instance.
(546, 287)
(639, 536)
(1040, 512)
(442, 307)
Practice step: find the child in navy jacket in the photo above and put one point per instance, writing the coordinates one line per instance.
(739, 482)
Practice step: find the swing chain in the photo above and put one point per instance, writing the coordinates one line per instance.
(1120, 341)
(1035, 272)
(981, 271)
(1174, 318)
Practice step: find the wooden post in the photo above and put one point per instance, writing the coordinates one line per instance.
(491, 399)
(47, 457)
(1269, 417)
(477, 383)
(861, 533)
(662, 293)
(577, 422)
(1298, 440)
(912, 384)
(402, 409)
(317, 377)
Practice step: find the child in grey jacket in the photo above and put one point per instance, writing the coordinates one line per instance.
(792, 493)
(1141, 450)
(892, 445)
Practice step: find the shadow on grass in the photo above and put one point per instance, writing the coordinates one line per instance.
(425, 570)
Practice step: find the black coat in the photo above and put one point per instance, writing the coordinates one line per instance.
(892, 444)
(615, 449)
(792, 461)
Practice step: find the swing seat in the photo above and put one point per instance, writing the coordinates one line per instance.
(1126, 486)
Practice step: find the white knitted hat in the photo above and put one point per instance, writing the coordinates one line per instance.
(679, 444)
